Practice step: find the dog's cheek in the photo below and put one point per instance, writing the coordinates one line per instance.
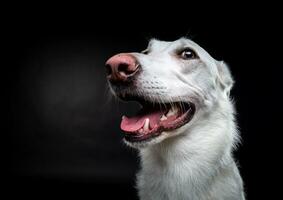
(191, 66)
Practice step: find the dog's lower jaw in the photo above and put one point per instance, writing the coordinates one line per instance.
(197, 165)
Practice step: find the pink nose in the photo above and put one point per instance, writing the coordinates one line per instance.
(121, 66)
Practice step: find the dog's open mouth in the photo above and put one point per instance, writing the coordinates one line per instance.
(154, 118)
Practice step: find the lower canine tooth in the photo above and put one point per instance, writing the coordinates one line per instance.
(146, 125)
(172, 111)
(163, 118)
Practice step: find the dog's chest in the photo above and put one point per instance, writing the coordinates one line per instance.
(160, 181)
(158, 185)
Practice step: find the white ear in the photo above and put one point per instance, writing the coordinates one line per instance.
(224, 77)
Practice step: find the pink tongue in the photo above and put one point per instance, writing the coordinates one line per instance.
(133, 124)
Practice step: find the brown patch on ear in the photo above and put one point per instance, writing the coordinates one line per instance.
(224, 77)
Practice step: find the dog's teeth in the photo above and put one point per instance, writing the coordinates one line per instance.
(173, 111)
(123, 116)
(146, 125)
(163, 118)
(140, 130)
(170, 113)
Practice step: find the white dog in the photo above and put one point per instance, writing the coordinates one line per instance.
(185, 130)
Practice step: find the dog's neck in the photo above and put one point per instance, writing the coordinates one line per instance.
(194, 158)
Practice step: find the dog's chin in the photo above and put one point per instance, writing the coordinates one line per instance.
(158, 139)
(155, 121)
(146, 143)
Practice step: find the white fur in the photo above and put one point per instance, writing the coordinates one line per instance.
(193, 162)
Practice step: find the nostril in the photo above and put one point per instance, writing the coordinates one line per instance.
(108, 69)
(124, 67)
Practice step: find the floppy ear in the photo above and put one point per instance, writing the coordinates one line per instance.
(224, 77)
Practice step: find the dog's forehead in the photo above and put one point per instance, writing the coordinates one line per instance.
(158, 45)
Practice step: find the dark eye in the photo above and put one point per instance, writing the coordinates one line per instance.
(187, 54)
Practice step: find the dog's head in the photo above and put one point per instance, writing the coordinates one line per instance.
(173, 81)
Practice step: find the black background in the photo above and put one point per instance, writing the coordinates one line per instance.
(65, 139)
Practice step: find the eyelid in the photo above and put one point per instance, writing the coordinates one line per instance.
(180, 50)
